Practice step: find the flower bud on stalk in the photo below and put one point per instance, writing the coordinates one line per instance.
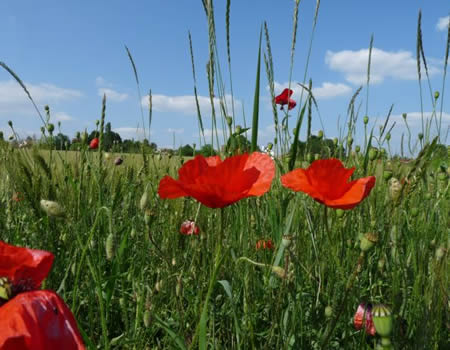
(368, 241)
(52, 208)
(395, 188)
(382, 318)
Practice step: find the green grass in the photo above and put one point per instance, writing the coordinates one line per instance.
(152, 289)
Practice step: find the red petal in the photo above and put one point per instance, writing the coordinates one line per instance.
(38, 320)
(298, 181)
(358, 319)
(192, 169)
(283, 98)
(170, 188)
(359, 189)
(291, 104)
(18, 263)
(266, 166)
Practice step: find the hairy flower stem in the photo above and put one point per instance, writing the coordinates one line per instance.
(348, 287)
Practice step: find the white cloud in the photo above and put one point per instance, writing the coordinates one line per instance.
(175, 131)
(186, 104)
(100, 81)
(14, 100)
(325, 91)
(443, 23)
(384, 64)
(61, 117)
(415, 118)
(128, 132)
(112, 95)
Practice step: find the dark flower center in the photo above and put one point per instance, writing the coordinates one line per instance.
(9, 290)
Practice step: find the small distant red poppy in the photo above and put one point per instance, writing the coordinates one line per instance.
(17, 197)
(363, 319)
(94, 143)
(31, 318)
(326, 181)
(284, 99)
(264, 244)
(189, 227)
(216, 183)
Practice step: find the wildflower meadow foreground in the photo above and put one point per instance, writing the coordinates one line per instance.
(307, 242)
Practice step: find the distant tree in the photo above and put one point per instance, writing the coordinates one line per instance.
(207, 151)
(237, 144)
(186, 151)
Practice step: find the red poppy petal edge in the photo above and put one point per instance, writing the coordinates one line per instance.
(170, 188)
(359, 190)
(266, 166)
(19, 263)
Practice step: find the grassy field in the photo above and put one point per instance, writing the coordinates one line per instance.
(133, 281)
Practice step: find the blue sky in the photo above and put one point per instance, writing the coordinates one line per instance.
(69, 53)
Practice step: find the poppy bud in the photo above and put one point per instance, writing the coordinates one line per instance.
(420, 136)
(381, 264)
(320, 134)
(357, 149)
(388, 136)
(269, 146)
(395, 188)
(373, 153)
(147, 318)
(279, 271)
(118, 161)
(404, 115)
(10, 123)
(94, 143)
(335, 141)
(229, 120)
(366, 119)
(109, 247)
(309, 157)
(440, 252)
(387, 174)
(350, 140)
(84, 137)
(316, 156)
(414, 212)
(382, 319)
(340, 213)
(144, 200)
(238, 129)
(5, 288)
(50, 128)
(189, 227)
(328, 311)
(97, 122)
(436, 95)
(368, 241)
(52, 208)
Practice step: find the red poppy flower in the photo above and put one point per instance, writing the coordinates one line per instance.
(216, 183)
(264, 244)
(30, 318)
(189, 227)
(326, 181)
(94, 143)
(284, 99)
(363, 318)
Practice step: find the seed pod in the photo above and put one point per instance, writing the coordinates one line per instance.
(328, 311)
(229, 120)
(368, 241)
(387, 174)
(50, 128)
(109, 247)
(366, 119)
(340, 213)
(147, 318)
(395, 188)
(320, 134)
(373, 153)
(436, 95)
(357, 149)
(52, 208)
(382, 318)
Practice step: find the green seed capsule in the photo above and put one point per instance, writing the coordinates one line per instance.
(366, 119)
(382, 319)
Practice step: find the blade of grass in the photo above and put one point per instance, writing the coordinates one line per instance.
(255, 120)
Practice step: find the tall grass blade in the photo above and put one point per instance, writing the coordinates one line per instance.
(368, 74)
(130, 57)
(418, 56)
(293, 153)
(255, 120)
(16, 77)
(447, 49)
